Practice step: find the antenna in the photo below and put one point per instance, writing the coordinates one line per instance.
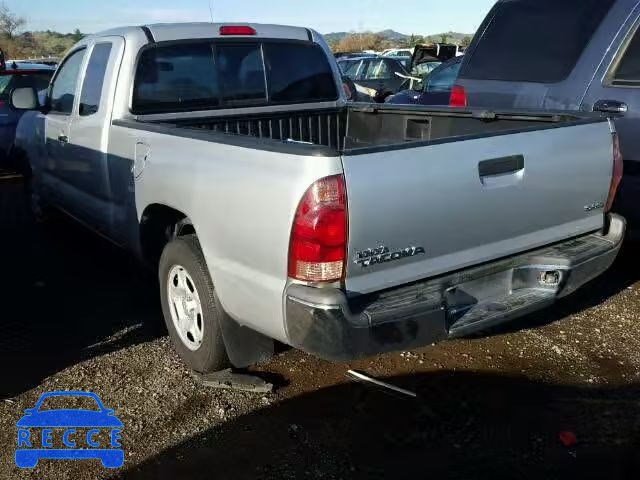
(211, 9)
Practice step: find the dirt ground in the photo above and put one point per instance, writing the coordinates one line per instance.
(78, 314)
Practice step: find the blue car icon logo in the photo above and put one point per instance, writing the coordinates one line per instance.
(69, 434)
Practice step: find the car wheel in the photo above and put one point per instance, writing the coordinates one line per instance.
(189, 306)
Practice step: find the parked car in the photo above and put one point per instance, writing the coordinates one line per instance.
(17, 75)
(435, 88)
(343, 55)
(380, 75)
(398, 52)
(587, 59)
(272, 209)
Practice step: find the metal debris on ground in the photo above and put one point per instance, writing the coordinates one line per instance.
(232, 380)
(360, 377)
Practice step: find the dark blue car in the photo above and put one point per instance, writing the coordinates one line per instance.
(436, 89)
(17, 75)
(32, 447)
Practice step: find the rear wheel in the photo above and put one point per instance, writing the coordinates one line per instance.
(189, 306)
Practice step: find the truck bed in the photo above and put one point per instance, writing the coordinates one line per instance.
(361, 126)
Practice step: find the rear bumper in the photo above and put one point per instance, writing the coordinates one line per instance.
(325, 323)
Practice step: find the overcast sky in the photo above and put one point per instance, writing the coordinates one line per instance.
(406, 16)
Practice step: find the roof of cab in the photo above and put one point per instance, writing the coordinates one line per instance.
(163, 32)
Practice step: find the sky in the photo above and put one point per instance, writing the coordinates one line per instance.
(407, 16)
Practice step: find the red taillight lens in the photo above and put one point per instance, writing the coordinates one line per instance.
(458, 97)
(618, 170)
(237, 30)
(318, 246)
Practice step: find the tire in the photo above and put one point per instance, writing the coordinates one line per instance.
(201, 346)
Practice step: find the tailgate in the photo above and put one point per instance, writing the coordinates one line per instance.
(432, 209)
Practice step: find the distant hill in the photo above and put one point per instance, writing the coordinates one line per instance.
(393, 36)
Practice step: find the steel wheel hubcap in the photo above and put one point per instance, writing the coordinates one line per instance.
(185, 307)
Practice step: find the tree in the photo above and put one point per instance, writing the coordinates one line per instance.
(10, 23)
(77, 35)
(466, 41)
(444, 38)
(360, 41)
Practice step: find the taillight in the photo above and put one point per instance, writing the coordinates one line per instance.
(618, 170)
(458, 97)
(237, 30)
(318, 245)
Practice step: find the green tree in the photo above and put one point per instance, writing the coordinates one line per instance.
(77, 35)
(466, 41)
(444, 38)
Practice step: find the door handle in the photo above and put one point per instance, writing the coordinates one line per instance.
(63, 138)
(610, 106)
(501, 166)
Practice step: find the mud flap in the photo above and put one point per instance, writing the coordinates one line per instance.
(245, 347)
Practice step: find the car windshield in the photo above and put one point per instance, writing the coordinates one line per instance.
(11, 81)
(69, 402)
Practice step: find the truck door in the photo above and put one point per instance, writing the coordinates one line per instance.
(87, 152)
(616, 90)
(62, 96)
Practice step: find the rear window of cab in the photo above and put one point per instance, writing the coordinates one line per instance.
(206, 75)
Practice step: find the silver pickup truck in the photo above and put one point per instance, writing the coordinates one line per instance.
(227, 157)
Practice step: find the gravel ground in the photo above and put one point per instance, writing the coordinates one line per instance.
(78, 314)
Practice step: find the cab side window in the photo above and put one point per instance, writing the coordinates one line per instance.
(94, 79)
(64, 86)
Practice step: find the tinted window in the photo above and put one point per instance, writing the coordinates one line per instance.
(94, 79)
(535, 40)
(298, 73)
(64, 87)
(9, 82)
(178, 77)
(629, 68)
(200, 76)
(242, 73)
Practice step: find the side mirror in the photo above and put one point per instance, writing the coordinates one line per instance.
(25, 99)
(109, 411)
(29, 411)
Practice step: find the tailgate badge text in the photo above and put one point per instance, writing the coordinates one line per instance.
(382, 254)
